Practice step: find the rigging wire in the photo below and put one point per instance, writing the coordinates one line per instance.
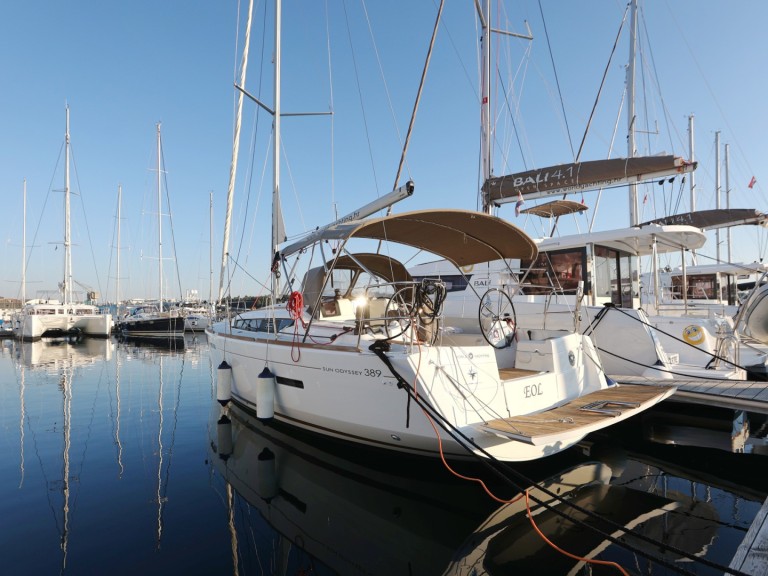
(557, 79)
(360, 98)
(520, 481)
(85, 219)
(403, 156)
(255, 131)
(170, 218)
(597, 100)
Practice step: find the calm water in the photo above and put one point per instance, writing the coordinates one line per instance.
(116, 460)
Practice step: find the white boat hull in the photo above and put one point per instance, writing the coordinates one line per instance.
(33, 327)
(353, 395)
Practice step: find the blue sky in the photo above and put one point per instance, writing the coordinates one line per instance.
(123, 67)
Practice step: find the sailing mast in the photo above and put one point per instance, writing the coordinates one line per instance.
(67, 287)
(159, 222)
(693, 176)
(633, 210)
(717, 193)
(235, 154)
(24, 249)
(485, 100)
(486, 129)
(117, 279)
(276, 211)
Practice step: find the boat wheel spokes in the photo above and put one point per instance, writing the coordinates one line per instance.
(497, 317)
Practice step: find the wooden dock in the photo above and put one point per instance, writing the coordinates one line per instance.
(735, 394)
(752, 555)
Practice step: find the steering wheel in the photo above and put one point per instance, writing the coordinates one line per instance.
(399, 312)
(497, 317)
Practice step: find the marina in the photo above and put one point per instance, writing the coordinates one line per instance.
(120, 459)
(421, 350)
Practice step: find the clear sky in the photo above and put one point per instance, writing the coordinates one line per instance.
(122, 67)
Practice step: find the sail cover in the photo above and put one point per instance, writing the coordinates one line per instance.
(713, 219)
(582, 176)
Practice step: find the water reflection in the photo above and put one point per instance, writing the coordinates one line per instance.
(65, 388)
(345, 514)
(336, 515)
(112, 465)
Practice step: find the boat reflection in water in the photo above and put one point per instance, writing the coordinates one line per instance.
(338, 515)
(355, 514)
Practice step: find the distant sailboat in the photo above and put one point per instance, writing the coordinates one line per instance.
(150, 320)
(46, 317)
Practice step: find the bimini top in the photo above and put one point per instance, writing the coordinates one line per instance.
(638, 241)
(555, 208)
(383, 266)
(463, 237)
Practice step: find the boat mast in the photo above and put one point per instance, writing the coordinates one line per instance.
(486, 128)
(117, 279)
(728, 199)
(159, 221)
(692, 176)
(276, 215)
(633, 218)
(210, 251)
(24, 249)
(485, 101)
(235, 153)
(67, 288)
(717, 192)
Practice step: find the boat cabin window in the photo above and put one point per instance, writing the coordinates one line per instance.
(262, 324)
(452, 282)
(563, 269)
(616, 276)
(371, 286)
(704, 287)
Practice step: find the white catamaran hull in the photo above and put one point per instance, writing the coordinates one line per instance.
(33, 327)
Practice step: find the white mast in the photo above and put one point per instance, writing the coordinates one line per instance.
(276, 213)
(486, 127)
(235, 153)
(717, 194)
(210, 252)
(633, 219)
(485, 100)
(692, 176)
(728, 199)
(24, 249)
(67, 288)
(159, 221)
(117, 279)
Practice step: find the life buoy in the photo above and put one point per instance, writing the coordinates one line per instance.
(468, 268)
(693, 335)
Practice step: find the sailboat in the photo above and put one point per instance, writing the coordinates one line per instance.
(155, 321)
(53, 317)
(357, 349)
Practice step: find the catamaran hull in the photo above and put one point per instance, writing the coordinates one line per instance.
(34, 327)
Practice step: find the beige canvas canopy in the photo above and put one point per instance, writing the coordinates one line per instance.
(463, 237)
(555, 208)
(383, 266)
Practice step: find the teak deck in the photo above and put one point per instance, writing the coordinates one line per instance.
(569, 418)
